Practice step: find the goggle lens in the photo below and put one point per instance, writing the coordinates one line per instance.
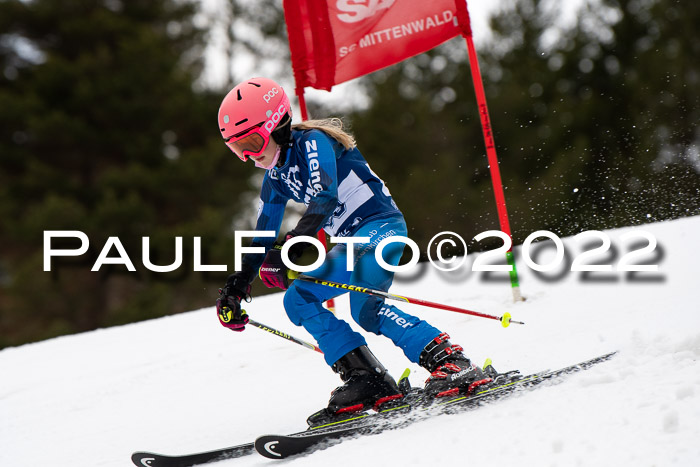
(251, 144)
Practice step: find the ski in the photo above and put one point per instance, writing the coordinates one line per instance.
(149, 459)
(411, 408)
(283, 446)
(405, 412)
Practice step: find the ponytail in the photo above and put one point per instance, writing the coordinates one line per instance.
(333, 127)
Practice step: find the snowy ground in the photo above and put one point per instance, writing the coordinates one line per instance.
(183, 384)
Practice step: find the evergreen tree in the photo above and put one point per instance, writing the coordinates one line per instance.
(595, 125)
(101, 131)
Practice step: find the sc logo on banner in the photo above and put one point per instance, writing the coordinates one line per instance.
(357, 10)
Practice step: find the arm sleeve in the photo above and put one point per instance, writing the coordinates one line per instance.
(323, 178)
(270, 214)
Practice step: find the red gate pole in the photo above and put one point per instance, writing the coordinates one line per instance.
(465, 22)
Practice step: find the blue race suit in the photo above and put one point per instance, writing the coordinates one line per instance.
(345, 198)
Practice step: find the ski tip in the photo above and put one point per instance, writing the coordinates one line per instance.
(145, 459)
(267, 447)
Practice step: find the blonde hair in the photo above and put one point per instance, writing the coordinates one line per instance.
(333, 127)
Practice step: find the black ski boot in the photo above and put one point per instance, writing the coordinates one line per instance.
(451, 372)
(367, 383)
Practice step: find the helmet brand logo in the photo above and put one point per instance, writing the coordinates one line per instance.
(274, 118)
(270, 94)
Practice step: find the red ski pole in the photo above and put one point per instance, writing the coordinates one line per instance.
(505, 319)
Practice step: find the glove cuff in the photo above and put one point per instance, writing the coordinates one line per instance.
(296, 250)
(237, 286)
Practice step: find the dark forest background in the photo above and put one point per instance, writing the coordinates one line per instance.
(106, 128)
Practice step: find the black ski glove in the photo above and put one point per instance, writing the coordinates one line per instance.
(228, 305)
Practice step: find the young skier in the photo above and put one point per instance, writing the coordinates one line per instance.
(318, 164)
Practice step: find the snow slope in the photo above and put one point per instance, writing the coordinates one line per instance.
(183, 384)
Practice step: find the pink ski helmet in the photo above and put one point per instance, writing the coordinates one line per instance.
(249, 114)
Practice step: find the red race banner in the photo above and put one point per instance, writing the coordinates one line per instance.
(333, 41)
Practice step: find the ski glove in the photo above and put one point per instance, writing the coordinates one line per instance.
(273, 271)
(228, 305)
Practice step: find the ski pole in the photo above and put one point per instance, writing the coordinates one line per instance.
(505, 319)
(284, 335)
